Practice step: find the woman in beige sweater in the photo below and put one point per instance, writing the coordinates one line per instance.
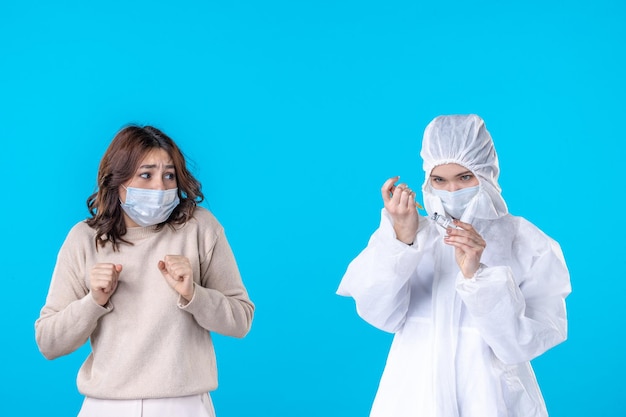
(146, 279)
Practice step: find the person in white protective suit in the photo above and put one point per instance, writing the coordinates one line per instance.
(469, 305)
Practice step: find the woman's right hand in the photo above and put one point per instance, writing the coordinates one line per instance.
(400, 204)
(103, 280)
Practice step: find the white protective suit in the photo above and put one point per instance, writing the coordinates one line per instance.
(462, 346)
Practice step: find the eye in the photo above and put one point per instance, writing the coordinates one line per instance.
(169, 176)
(467, 177)
(438, 179)
(145, 175)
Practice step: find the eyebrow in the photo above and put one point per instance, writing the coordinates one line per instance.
(152, 166)
(455, 176)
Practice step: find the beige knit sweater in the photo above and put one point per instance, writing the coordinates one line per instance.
(145, 342)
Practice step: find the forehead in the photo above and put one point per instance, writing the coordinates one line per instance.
(156, 158)
(448, 170)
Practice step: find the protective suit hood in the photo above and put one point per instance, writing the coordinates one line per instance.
(463, 140)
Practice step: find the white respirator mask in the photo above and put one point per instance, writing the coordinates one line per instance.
(149, 207)
(455, 202)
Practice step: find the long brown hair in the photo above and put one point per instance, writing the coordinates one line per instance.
(119, 163)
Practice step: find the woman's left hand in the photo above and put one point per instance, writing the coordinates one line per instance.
(468, 247)
(178, 273)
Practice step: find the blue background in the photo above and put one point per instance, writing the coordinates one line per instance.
(292, 114)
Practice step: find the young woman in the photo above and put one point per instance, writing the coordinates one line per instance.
(147, 279)
(470, 302)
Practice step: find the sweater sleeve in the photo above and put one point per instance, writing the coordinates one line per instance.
(221, 303)
(521, 317)
(378, 278)
(70, 314)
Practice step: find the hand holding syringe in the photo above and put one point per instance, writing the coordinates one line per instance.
(402, 208)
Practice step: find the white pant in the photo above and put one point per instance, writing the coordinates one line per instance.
(191, 406)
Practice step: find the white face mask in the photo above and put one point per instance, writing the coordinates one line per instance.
(455, 202)
(149, 207)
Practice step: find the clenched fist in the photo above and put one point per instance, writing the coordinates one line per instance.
(178, 273)
(103, 280)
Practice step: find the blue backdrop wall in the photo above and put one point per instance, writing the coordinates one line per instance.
(293, 114)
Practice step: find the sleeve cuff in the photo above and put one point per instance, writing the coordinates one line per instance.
(479, 272)
(183, 303)
(95, 309)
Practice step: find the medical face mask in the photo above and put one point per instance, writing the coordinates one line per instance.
(455, 202)
(149, 207)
